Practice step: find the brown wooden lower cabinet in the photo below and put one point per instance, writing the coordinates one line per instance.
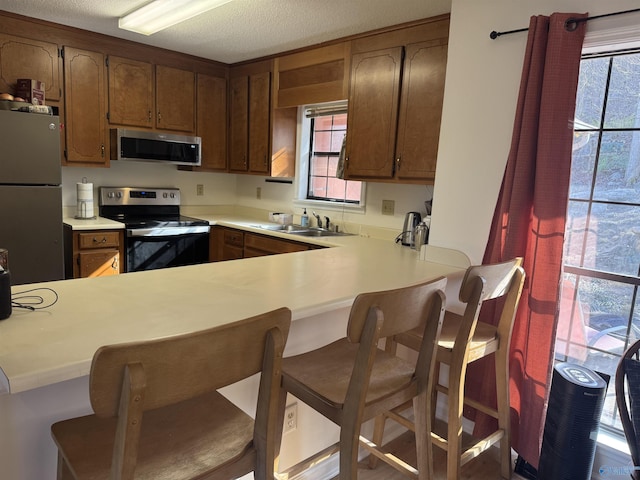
(232, 244)
(93, 253)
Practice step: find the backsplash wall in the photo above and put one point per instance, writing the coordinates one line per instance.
(219, 188)
(229, 189)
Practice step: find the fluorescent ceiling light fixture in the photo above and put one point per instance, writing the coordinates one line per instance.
(161, 14)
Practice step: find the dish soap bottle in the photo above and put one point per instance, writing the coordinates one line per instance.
(304, 219)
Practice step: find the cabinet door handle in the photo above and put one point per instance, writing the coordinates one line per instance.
(114, 264)
(159, 116)
(149, 116)
(102, 150)
(265, 159)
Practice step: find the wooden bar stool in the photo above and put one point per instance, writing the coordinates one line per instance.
(351, 380)
(158, 414)
(463, 340)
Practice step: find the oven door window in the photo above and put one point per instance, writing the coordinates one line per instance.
(154, 252)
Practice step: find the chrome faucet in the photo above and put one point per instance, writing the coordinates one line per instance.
(317, 219)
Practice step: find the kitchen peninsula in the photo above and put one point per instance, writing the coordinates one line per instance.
(45, 355)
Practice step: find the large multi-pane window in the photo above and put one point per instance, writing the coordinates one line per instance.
(327, 132)
(600, 307)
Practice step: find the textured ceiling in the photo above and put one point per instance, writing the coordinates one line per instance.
(242, 29)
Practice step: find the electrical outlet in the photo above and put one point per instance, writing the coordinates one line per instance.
(290, 418)
(388, 207)
(258, 193)
(199, 189)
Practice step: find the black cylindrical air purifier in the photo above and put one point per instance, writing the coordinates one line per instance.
(571, 427)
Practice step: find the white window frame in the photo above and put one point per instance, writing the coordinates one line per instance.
(611, 447)
(301, 182)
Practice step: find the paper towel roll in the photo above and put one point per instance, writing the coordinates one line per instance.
(84, 192)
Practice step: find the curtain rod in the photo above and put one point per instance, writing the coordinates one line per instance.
(569, 24)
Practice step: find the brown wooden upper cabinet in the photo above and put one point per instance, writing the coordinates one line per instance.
(137, 98)
(85, 108)
(395, 104)
(249, 125)
(261, 138)
(27, 58)
(211, 124)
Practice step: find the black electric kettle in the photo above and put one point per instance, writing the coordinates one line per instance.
(411, 221)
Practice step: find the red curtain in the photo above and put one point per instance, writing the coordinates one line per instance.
(529, 221)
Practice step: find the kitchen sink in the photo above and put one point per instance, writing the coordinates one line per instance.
(283, 228)
(303, 231)
(318, 232)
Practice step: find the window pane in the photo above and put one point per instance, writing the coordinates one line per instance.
(624, 93)
(319, 165)
(340, 122)
(575, 231)
(322, 141)
(335, 188)
(614, 239)
(618, 177)
(592, 326)
(336, 140)
(591, 87)
(585, 146)
(354, 189)
(318, 186)
(323, 122)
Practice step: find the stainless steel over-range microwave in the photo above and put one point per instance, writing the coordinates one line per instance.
(155, 147)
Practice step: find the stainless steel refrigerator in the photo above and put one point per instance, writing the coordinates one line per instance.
(31, 196)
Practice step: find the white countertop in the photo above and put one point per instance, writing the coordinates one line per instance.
(39, 348)
(97, 223)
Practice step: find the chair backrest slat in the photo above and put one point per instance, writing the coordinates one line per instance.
(182, 367)
(502, 281)
(403, 309)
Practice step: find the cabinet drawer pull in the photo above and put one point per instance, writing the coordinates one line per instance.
(104, 240)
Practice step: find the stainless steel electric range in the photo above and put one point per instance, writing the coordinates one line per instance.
(157, 235)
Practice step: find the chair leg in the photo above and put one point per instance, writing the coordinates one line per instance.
(349, 446)
(424, 448)
(378, 434)
(504, 412)
(455, 403)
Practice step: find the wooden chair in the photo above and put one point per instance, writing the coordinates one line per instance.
(628, 400)
(351, 380)
(464, 340)
(158, 414)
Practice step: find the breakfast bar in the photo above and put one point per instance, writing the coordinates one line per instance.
(45, 355)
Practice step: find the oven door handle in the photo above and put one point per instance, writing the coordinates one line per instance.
(166, 231)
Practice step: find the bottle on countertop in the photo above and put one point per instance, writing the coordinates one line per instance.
(304, 219)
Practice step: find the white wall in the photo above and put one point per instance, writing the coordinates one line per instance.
(483, 78)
